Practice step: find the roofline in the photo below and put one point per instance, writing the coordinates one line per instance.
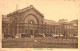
(22, 10)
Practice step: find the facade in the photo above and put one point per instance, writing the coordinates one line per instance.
(68, 28)
(30, 21)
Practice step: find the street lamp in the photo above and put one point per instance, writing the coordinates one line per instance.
(31, 22)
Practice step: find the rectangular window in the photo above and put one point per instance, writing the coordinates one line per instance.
(25, 30)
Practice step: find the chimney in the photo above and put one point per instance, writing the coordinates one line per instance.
(31, 5)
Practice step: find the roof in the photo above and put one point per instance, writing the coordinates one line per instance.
(50, 22)
(63, 20)
(5, 18)
(25, 9)
(74, 21)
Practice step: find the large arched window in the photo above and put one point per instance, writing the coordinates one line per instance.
(31, 19)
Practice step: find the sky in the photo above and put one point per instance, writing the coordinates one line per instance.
(51, 9)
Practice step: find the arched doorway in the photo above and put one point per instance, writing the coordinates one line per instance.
(32, 24)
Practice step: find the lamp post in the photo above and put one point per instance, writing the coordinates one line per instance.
(45, 28)
(55, 30)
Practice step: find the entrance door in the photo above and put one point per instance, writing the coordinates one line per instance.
(31, 32)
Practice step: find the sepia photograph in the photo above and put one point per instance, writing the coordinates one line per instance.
(39, 23)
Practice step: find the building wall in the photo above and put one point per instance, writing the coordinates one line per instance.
(30, 21)
(25, 22)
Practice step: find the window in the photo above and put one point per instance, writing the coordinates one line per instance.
(25, 30)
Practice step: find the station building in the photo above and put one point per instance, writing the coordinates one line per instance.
(29, 20)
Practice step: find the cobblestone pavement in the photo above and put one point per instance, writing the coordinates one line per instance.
(48, 42)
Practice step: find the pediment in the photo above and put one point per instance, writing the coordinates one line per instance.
(25, 10)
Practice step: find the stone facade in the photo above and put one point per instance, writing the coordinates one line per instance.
(30, 21)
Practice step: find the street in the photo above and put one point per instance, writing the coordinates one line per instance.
(42, 42)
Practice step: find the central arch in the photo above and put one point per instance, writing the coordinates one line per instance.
(30, 17)
(33, 23)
